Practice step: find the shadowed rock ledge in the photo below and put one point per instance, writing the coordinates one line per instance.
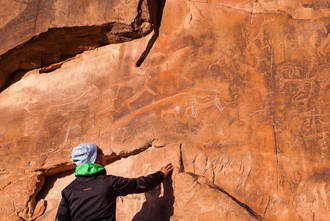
(36, 39)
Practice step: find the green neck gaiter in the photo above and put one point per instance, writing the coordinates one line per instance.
(88, 169)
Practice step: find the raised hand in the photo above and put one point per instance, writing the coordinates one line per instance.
(166, 170)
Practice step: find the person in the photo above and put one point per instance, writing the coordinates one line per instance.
(92, 195)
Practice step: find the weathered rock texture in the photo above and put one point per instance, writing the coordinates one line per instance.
(45, 32)
(234, 92)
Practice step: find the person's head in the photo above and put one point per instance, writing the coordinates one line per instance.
(88, 153)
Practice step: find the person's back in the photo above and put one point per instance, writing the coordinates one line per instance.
(92, 195)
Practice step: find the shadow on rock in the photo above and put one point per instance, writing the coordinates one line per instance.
(157, 207)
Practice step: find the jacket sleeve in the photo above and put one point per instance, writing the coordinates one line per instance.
(63, 212)
(123, 186)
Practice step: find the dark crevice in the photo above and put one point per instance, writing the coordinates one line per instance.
(241, 204)
(115, 157)
(59, 44)
(13, 78)
(275, 144)
(276, 156)
(156, 13)
(181, 169)
(265, 211)
(48, 49)
(193, 175)
(51, 67)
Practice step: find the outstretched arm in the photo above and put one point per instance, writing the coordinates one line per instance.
(123, 186)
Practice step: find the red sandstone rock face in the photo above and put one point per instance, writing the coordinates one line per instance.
(45, 32)
(235, 93)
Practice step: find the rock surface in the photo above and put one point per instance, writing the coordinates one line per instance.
(45, 32)
(234, 92)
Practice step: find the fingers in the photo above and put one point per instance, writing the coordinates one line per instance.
(166, 170)
(169, 166)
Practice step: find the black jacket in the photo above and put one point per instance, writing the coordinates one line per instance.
(93, 197)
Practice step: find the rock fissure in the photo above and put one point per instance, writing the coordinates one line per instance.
(211, 184)
(181, 169)
(156, 12)
(45, 49)
(267, 205)
(53, 67)
(275, 144)
(241, 204)
(124, 154)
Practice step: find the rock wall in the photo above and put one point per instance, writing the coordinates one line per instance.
(235, 93)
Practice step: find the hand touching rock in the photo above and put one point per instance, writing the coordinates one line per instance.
(166, 170)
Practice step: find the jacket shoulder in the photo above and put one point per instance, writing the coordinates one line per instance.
(69, 187)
